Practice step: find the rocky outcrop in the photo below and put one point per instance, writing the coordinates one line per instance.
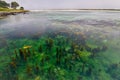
(2, 14)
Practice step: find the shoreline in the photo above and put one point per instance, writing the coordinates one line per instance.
(7, 13)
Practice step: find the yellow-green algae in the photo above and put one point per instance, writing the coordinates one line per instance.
(56, 57)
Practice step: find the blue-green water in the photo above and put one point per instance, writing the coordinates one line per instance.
(99, 27)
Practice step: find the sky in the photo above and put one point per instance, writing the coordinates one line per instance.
(68, 4)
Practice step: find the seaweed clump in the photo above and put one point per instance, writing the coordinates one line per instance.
(55, 58)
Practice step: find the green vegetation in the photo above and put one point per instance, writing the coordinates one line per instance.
(56, 56)
(5, 7)
(14, 5)
(21, 8)
(3, 4)
(11, 10)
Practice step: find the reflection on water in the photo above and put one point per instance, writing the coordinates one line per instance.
(99, 28)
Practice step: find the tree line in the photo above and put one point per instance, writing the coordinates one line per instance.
(13, 5)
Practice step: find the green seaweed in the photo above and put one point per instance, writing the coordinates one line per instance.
(57, 57)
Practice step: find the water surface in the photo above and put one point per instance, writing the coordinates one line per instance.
(99, 27)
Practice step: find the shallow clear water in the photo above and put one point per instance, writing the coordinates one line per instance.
(99, 27)
(103, 22)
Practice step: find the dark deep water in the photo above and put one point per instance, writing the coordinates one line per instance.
(99, 27)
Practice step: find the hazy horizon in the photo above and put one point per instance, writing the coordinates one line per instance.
(67, 4)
